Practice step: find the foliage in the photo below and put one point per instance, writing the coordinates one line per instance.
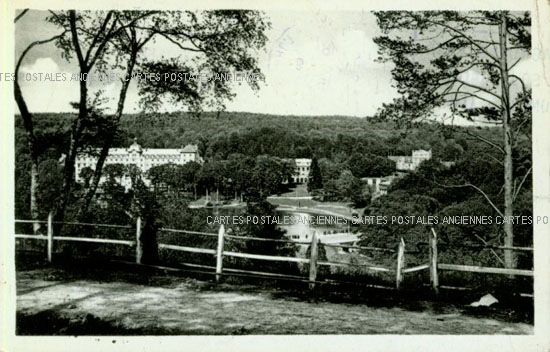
(347, 188)
(462, 64)
(434, 51)
(322, 270)
(315, 179)
(437, 191)
(369, 165)
(328, 135)
(262, 229)
(213, 41)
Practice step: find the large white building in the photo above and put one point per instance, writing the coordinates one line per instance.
(301, 172)
(143, 158)
(411, 163)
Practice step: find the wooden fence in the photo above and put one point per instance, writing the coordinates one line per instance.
(433, 265)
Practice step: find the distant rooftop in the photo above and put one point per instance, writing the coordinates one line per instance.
(136, 147)
(190, 148)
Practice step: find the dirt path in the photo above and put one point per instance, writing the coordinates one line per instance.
(186, 306)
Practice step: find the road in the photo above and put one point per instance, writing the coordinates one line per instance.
(52, 301)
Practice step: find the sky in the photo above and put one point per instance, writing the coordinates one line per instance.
(315, 63)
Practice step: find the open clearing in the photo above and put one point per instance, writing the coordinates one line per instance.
(52, 300)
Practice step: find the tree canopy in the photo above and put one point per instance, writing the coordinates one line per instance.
(462, 63)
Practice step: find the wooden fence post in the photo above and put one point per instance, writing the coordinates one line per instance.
(219, 254)
(434, 279)
(139, 246)
(50, 236)
(400, 263)
(314, 248)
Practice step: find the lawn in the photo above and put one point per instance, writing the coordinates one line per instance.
(299, 190)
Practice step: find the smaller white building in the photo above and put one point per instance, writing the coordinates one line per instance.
(411, 163)
(448, 164)
(418, 156)
(301, 173)
(373, 182)
(381, 185)
(384, 186)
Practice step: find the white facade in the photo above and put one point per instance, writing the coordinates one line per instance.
(448, 164)
(384, 186)
(379, 185)
(301, 172)
(421, 155)
(143, 158)
(411, 163)
(373, 182)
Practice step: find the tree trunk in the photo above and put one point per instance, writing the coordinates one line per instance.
(509, 256)
(108, 139)
(33, 204)
(31, 142)
(68, 170)
(95, 179)
(149, 242)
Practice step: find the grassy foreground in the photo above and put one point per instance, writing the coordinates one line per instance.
(100, 300)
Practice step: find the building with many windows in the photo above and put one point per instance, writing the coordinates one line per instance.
(301, 172)
(411, 163)
(143, 158)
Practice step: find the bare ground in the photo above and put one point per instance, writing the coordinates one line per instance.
(55, 301)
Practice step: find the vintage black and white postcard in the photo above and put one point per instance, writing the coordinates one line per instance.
(308, 176)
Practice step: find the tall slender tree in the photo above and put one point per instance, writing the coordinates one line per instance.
(27, 117)
(214, 41)
(464, 61)
(315, 180)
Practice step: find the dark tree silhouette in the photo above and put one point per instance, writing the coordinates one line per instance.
(116, 39)
(435, 55)
(315, 179)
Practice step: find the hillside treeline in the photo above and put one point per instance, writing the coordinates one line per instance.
(244, 155)
(218, 136)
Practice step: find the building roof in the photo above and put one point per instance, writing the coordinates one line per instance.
(190, 148)
(136, 147)
(404, 158)
(422, 151)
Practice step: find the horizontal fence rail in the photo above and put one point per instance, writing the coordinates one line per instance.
(262, 239)
(435, 266)
(488, 246)
(33, 237)
(95, 240)
(187, 249)
(400, 269)
(360, 247)
(189, 232)
(93, 225)
(266, 257)
(416, 268)
(480, 269)
(30, 221)
(364, 266)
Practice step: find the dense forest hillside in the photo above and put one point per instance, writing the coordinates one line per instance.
(219, 135)
(243, 154)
